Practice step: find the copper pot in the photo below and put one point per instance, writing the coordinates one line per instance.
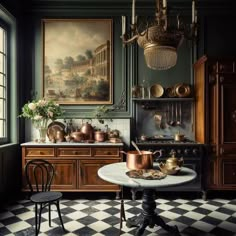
(136, 161)
(77, 136)
(179, 137)
(99, 136)
(87, 130)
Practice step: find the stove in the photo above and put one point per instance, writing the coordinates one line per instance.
(191, 151)
(186, 148)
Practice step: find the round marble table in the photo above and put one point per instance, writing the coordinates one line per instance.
(116, 173)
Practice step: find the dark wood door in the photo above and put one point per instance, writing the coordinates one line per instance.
(227, 114)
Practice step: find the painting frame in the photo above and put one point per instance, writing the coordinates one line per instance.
(79, 72)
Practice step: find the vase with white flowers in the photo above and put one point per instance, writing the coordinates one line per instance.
(40, 112)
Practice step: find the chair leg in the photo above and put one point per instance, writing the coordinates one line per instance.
(49, 215)
(40, 214)
(59, 214)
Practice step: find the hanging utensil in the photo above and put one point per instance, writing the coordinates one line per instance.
(172, 122)
(180, 113)
(158, 120)
(178, 121)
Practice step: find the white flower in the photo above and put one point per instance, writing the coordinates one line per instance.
(38, 117)
(42, 103)
(50, 113)
(32, 106)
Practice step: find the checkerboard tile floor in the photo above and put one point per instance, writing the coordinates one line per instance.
(100, 217)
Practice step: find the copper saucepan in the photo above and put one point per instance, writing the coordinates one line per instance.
(136, 161)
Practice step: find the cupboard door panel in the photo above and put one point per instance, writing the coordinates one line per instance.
(65, 175)
(228, 109)
(88, 177)
(212, 177)
(229, 172)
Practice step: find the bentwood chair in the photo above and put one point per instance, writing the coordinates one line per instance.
(39, 175)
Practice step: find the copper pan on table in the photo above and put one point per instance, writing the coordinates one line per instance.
(137, 161)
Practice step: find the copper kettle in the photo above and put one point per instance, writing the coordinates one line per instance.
(172, 165)
(88, 130)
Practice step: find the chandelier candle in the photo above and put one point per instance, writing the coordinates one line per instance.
(123, 25)
(133, 12)
(193, 11)
(164, 3)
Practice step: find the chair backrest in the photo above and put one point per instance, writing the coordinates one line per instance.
(39, 174)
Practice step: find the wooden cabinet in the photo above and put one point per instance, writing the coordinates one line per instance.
(75, 165)
(215, 119)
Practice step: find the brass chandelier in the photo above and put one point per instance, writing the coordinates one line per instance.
(160, 38)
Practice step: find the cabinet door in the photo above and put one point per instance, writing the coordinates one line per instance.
(228, 168)
(88, 176)
(227, 114)
(65, 175)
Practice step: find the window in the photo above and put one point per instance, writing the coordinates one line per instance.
(3, 85)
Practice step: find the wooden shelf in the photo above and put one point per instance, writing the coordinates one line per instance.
(163, 99)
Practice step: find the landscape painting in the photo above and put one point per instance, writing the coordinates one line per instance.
(77, 61)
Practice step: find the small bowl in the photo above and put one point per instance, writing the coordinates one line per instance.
(157, 90)
(179, 137)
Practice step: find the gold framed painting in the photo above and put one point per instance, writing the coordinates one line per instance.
(78, 61)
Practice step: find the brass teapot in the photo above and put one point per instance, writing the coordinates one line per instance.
(172, 165)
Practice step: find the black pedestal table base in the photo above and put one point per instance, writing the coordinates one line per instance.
(149, 217)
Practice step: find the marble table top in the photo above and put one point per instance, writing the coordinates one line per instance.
(71, 144)
(116, 173)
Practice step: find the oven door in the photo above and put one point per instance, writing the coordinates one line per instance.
(195, 185)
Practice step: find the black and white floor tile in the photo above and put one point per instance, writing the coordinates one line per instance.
(83, 217)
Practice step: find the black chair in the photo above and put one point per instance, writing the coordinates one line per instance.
(39, 175)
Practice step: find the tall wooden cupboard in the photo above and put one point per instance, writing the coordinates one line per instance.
(215, 119)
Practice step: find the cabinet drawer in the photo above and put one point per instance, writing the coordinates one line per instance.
(39, 152)
(70, 152)
(229, 172)
(103, 152)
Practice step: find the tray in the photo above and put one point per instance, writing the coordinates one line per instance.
(53, 128)
(150, 174)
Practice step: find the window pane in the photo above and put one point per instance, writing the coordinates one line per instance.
(1, 79)
(1, 39)
(1, 92)
(1, 108)
(2, 129)
(1, 63)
